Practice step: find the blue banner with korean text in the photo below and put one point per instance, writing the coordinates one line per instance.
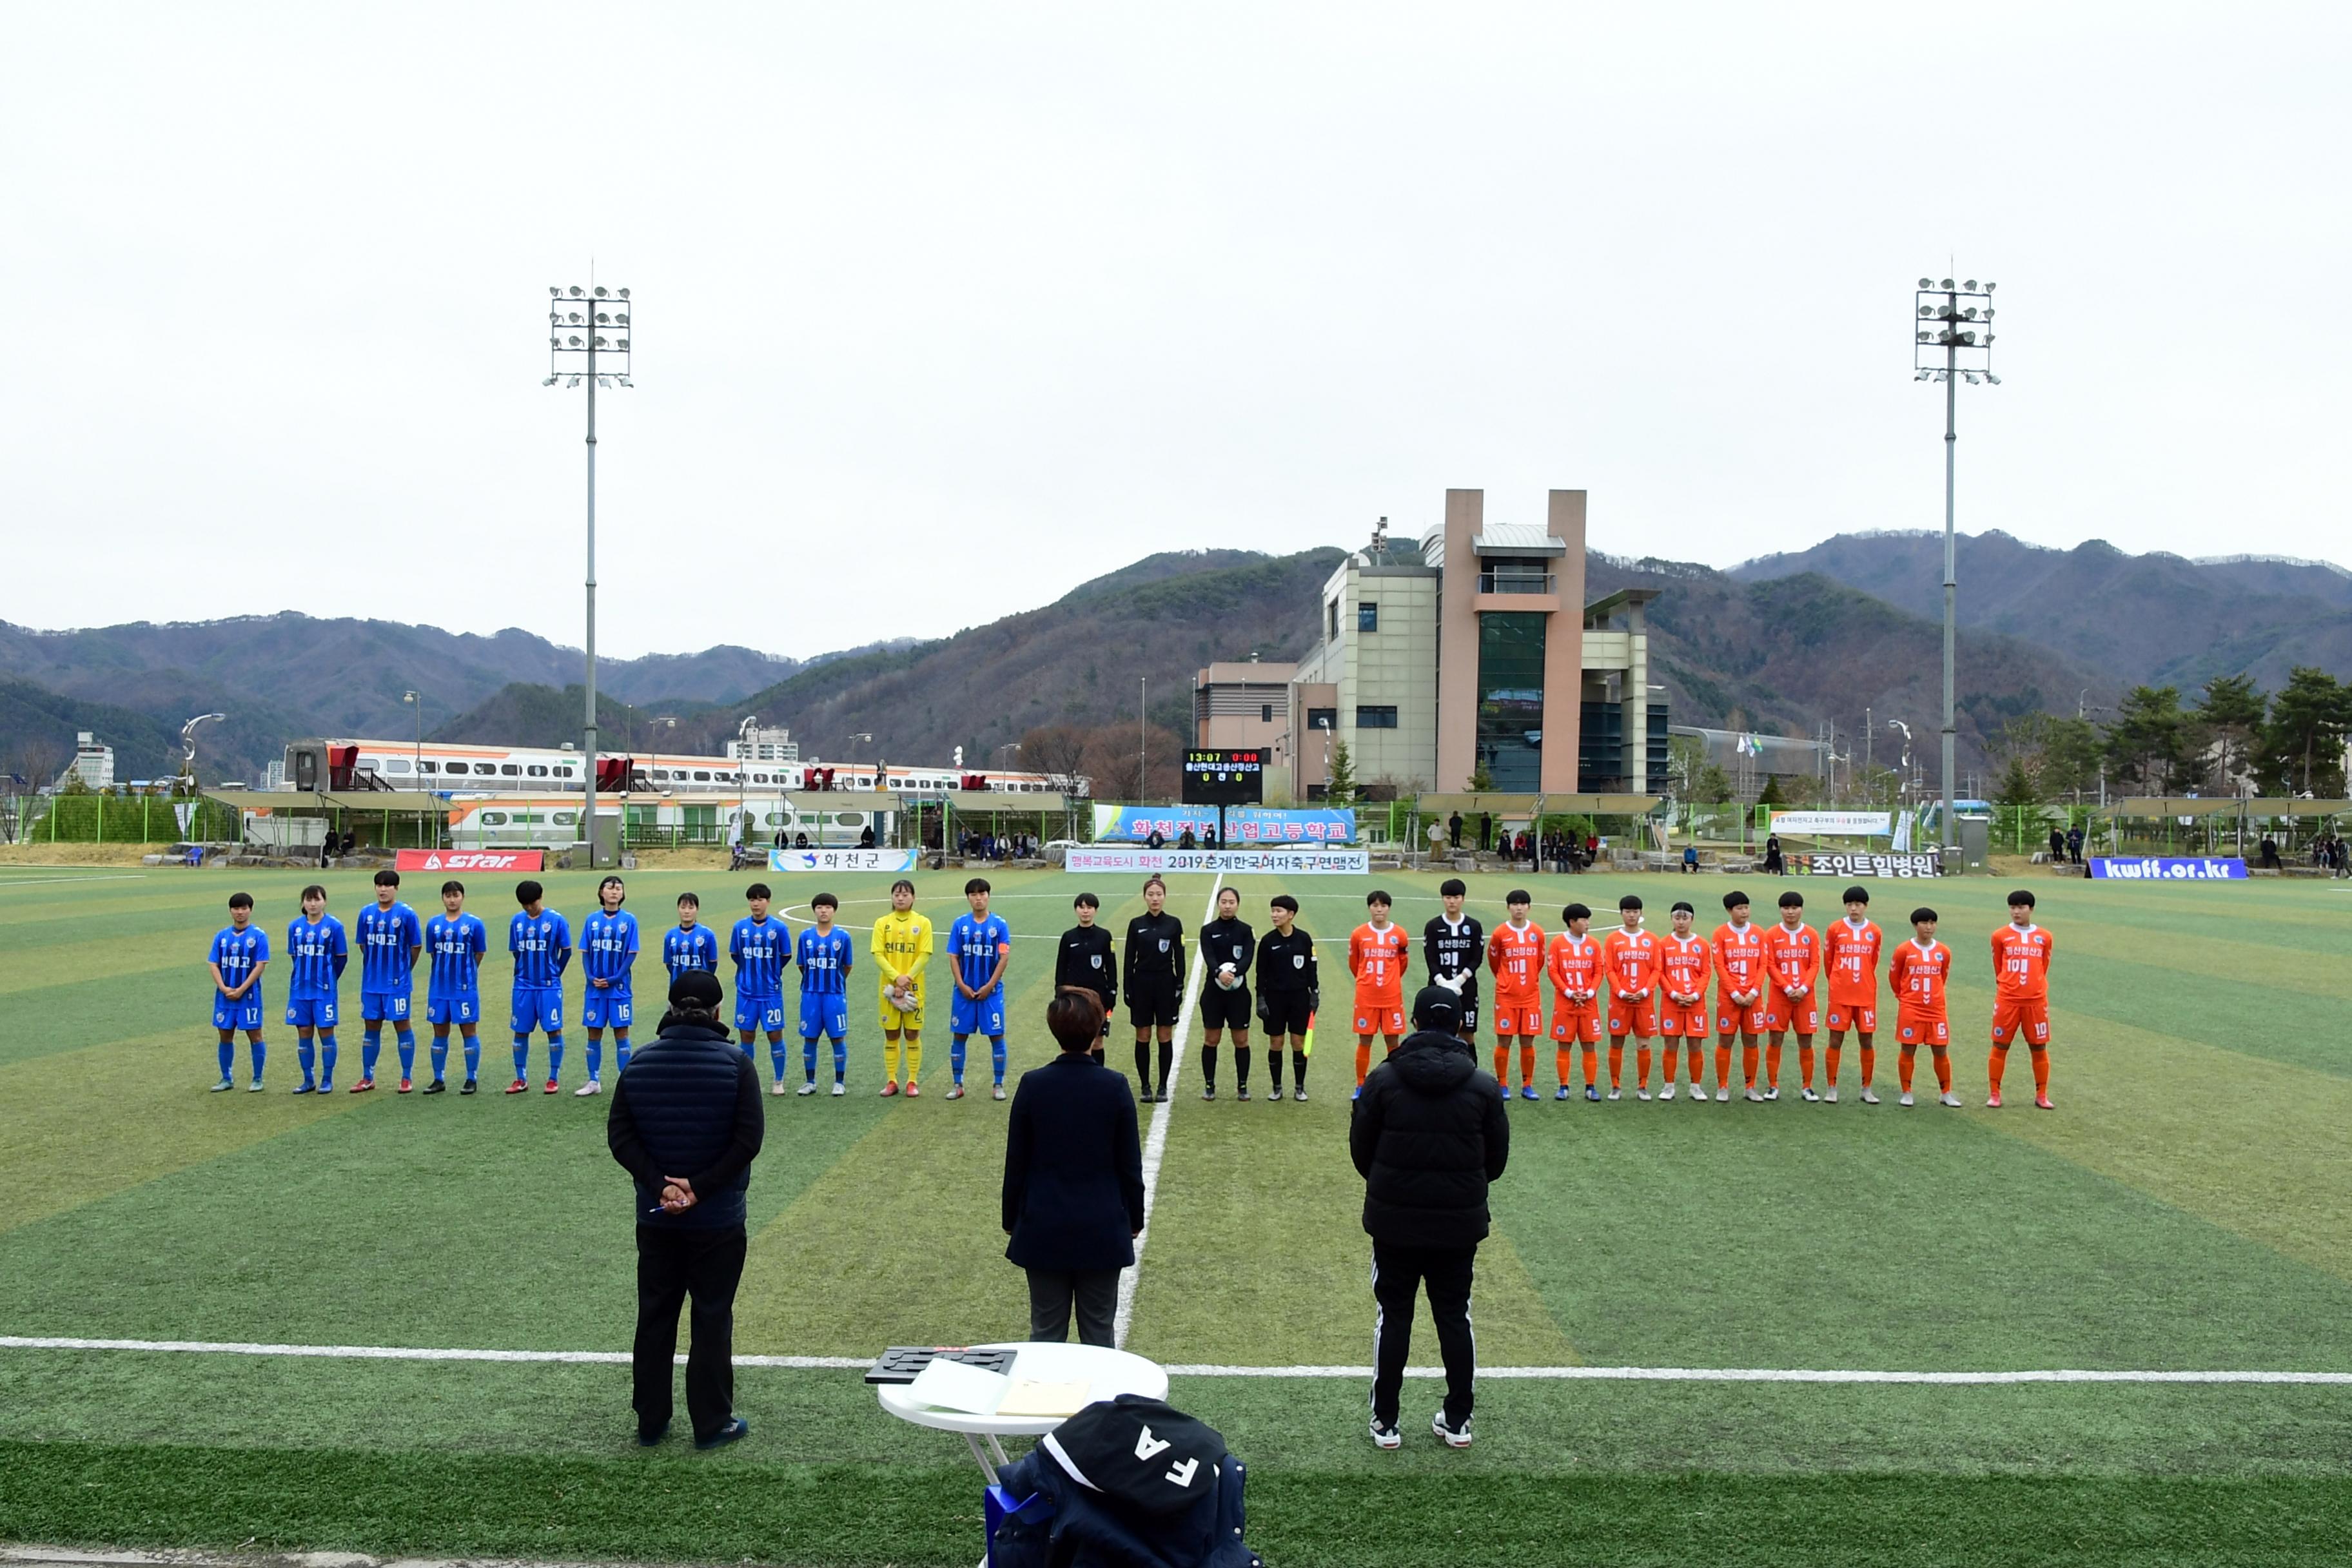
(1245, 825)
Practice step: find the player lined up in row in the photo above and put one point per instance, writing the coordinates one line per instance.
(1769, 982)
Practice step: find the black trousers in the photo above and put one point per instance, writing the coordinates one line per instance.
(1399, 1273)
(672, 1264)
(1053, 1291)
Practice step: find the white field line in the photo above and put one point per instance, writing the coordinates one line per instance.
(8, 881)
(1155, 1142)
(1351, 1374)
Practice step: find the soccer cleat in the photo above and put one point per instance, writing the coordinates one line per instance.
(1953, 1100)
(1667, 1092)
(996, 1091)
(1808, 1095)
(1905, 1099)
(1773, 1093)
(913, 1091)
(1869, 1095)
(1755, 1095)
(306, 1087)
(1561, 1093)
(1529, 1091)
(326, 1087)
(253, 1087)
(1358, 1094)
(221, 1085)
(808, 1087)
(405, 1086)
(2041, 1102)
(1592, 1092)
(890, 1088)
(837, 1089)
(1210, 1092)
(1506, 1094)
(1832, 1096)
(1616, 1093)
(468, 1089)
(1386, 1437)
(1241, 1093)
(1721, 1094)
(777, 1088)
(517, 1087)
(1275, 1093)
(591, 1088)
(955, 1091)
(1451, 1437)
(1299, 1094)
(552, 1087)
(363, 1086)
(1993, 1100)
(436, 1087)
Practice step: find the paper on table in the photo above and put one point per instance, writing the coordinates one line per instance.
(947, 1384)
(1028, 1398)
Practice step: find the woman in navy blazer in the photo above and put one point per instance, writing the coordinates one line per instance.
(1073, 1178)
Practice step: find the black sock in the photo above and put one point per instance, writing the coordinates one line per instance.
(1167, 1062)
(1297, 1069)
(1273, 1063)
(1241, 1066)
(1143, 1064)
(1208, 1067)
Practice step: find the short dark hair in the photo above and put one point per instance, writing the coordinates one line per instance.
(528, 892)
(1452, 887)
(1630, 901)
(612, 882)
(1519, 896)
(314, 891)
(1576, 912)
(1086, 901)
(758, 890)
(1857, 894)
(387, 877)
(1283, 901)
(685, 899)
(902, 882)
(1681, 907)
(827, 899)
(1236, 893)
(240, 901)
(1074, 1018)
(1923, 913)
(453, 886)
(2022, 896)
(1378, 896)
(1734, 898)
(1793, 900)
(977, 885)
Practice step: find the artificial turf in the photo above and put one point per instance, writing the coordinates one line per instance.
(2187, 1207)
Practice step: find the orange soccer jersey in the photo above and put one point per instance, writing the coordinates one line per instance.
(2020, 963)
(1854, 953)
(1574, 965)
(1515, 954)
(1630, 958)
(1684, 964)
(1376, 957)
(1739, 968)
(1918, 975)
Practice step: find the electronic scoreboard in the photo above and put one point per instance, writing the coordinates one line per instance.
(1225, 778)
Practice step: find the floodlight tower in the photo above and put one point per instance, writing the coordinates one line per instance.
(1957, 319)
(583, 325)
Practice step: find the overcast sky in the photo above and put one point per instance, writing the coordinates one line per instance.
(946, 309)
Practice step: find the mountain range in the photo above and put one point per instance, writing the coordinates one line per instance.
(1781, 643)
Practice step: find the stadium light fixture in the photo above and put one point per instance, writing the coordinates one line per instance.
(1966, 354)
(574, 358)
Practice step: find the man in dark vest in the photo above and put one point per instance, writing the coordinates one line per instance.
(685, 1123)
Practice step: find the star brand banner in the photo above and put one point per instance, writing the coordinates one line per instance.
(469, 860)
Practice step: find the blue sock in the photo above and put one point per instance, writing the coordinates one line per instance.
(473, 1057)
(621, 1050)
(304, 1049)
(840, 1057)
(326, 1057)
(955, 1056)
(522, 1056)
(371, 1047)
(808, 1058)
(595, 1059)
(996, 1055)
(778, 1057)
(440, 1057)
(554, 1058)
(227, 1057)
(407, 1039)
(261, 1050)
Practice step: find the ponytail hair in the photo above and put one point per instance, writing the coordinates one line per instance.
(1074, 1018)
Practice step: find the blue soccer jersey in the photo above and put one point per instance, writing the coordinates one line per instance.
(457, 943)
(388, 942)
(683, 950)
(541, 946)
(235, 953)
(825, 958)
(976, 945)
(315, 955)
(761, 950)
(608, 946)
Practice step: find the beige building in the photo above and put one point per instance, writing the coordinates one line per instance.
(1474, 647)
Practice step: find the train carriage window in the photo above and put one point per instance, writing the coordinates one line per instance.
(774, 819)
(494, 819)
(512, 770)
(850, 819)
(484, 769)
(428, 766)
(373, 764)
(702, 775)
(564, 818)
(397, 765)
(660, 773)
(537, 770)
(564, 771)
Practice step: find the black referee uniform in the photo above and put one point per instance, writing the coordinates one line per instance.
(1457, 948)
(1085, 959)
(1154, 980)
(1286, 991)
(1224, 942)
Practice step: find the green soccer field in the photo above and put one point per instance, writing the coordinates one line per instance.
(2187, 1209)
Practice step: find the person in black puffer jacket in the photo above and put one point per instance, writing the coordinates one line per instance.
(1427, 1136)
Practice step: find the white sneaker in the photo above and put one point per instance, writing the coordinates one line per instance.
(778, 1088)
(1808, 1094)
(1451, 1437)
(1642, 1093)
(1615, 1094)
(997, 1093)
(1752, 1094)
(1953, 1100)
(585, 1090)
(837, 1089)
(1869, 1095)
(1721, 1094)
(1831, 1095)
(1773, 1093)
(1667, 1092)
(1386, 1437)
(804, 1089)
(1905, 1099)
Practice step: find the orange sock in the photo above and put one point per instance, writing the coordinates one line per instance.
(1502, 1064)
(1903, 1066)
(1616, 1063)
(2041, 1069)
(1641, 1066)
(1805, 1060)
(1832, 1077)
(1722, 1064)
(1944, 1071)
(1697, 1060)
(1668, 1064)
(1869, 1064)
(1747, 1063)
(1997, 1066)
(1772, 1064)
(1363, 1062)
(1561, 1059)
(1527, 1062)
(1591, 1067)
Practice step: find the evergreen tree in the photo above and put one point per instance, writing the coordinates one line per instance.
(2148, 742)
(2228, 720)
(2302, 746)
(1340, 792)
(1481, 780)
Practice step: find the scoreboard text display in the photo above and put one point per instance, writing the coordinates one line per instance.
(1225, 778)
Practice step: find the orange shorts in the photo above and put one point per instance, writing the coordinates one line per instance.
(1576, 1023)
(1803, 1014)
(1730, 1019)
(1518, 1018)
(2020, 1020)
(1861, 1020)
(1635, 1017)
(1914, 1030)
(1678, 1021)
(1379, 1018)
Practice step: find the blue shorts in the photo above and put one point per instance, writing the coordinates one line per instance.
(244, 1013)
(310, 1012)
(603, 1009)
(378, 1004)
(984, 1016)
(822, 1015)
(538, 1008)
(462, 1009)
(760, 1013)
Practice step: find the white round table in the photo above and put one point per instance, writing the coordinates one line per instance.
(1107, 1373)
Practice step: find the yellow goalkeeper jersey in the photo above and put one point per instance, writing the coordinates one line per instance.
(902, 945)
